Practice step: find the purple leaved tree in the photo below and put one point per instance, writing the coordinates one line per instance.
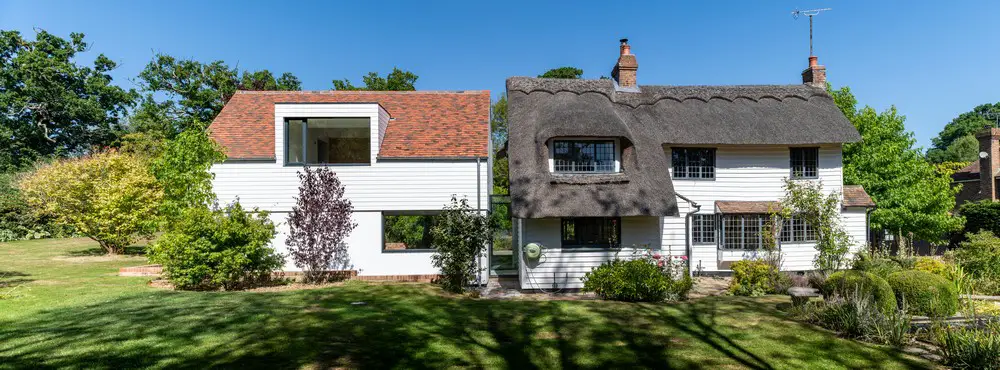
(319, 223)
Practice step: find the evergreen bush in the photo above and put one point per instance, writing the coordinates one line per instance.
(925, 294)
(208, 249)
(862, 284)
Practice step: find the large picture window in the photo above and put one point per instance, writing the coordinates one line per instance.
(693, 163)
(703, 228)
(328, 141)
(805, 163)
(587, 156)
(797, 230)
(743, 231)
(603, 232)
(402, 231)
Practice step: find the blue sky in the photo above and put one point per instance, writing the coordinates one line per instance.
(932, 60)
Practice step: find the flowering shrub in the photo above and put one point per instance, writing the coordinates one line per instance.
(752, 278)
(646, 277)
(931, 265)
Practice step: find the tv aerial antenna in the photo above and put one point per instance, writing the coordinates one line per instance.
(809, 13)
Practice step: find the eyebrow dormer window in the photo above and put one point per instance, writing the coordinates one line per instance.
(584, 156)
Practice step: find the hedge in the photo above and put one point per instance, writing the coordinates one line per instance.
(848, 282)
(983, 215)
(925, 293)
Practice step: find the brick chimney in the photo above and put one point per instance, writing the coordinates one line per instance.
(988, 166)
(815, 75)
(624, 72)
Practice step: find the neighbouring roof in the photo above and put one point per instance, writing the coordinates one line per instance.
(970, 172)
(856, 196)
(540, 109)
(425, 124)
(746, 206)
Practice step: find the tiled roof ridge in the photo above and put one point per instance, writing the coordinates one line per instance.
(358, 92)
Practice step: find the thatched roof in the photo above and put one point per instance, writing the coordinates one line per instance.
(541, 109)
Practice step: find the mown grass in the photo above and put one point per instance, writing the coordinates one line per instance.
(73, 312)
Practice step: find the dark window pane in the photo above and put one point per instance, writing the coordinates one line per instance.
(591, 232)
(293, 148)
(693, 163)
(804, 162)
(338, 140)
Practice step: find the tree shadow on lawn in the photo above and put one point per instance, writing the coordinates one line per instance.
(133, 250)
(10, 279)
(398, 326)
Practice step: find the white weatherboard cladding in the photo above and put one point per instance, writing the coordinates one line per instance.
(563, 268)
(754, 173)
(384, 185)
(743, 173)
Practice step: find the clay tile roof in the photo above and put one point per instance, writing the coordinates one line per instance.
(740, 206)
(972, 168)
(856, 196)
(426, 124)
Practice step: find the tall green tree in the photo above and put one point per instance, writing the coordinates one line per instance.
(964, 149)
(181, 168)
(498, 134)
(195, 92)
(50, 105)
(966, 124)
(913, 198)
(397, 80)
(563, 72)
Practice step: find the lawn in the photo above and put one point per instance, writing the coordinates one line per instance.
(69, 310)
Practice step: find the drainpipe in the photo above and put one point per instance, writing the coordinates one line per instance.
(868, 229)
(687, 232)
(479, 208)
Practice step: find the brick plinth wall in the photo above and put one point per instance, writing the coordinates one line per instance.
(146, 270)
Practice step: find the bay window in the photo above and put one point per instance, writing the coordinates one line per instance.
(743, 231)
